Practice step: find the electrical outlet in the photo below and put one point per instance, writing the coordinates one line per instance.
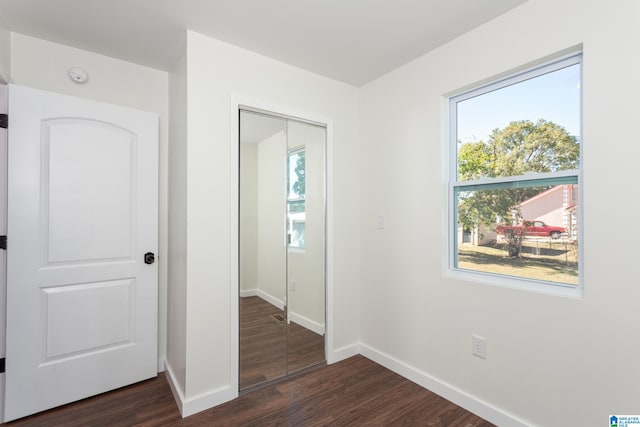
(292, 285)
(479, 346)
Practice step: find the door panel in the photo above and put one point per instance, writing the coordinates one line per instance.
(100, 226)
(281, 247)
(306, 264)
(82, 212)
(262, 256)
(108, 306)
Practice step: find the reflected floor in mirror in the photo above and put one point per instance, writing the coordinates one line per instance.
(262, 343)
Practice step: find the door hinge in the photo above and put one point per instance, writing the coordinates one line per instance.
(4, 121)
(3, 242)
(2, 365)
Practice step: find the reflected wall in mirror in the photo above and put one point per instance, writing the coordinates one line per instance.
(306, 249)
(282, 247)
(262, 254)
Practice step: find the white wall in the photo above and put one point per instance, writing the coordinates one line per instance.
(552, 361)
(216, 72)
(177, 262)
(5, 52)
(272, 252)
(44, 65)
(306, 267)
(248, 218)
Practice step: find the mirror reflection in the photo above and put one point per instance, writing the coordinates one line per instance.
(282, 247)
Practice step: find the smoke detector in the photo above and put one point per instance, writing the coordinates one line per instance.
(78, 75)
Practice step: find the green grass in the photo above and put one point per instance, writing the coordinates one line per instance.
(549, 261)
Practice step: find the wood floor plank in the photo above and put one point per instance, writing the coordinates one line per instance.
(271, 349)
(354, 392)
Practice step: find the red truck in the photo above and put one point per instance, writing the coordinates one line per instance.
(533, 228)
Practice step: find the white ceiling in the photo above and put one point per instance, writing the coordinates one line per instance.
(354, 41)
(255, 128)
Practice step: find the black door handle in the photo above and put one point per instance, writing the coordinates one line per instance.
(149, 258)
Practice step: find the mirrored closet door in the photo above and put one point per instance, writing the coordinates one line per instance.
(282, 246)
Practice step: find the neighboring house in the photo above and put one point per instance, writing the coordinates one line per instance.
(477, 236)
(556, 206)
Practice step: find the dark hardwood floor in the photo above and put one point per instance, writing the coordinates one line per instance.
(305, 348)
(265, 352)
(262, 342)
(354, 392)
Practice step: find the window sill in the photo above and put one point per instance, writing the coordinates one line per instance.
(536, 286)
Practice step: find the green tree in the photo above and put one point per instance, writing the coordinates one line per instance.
(299, 185)
(521, 147)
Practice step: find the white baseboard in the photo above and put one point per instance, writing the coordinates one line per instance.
(176, 390)
(449, 392)
(248, 293)
(207, 400)
(160, 365)
(343, 353)
(199, 403)
(271, 299)
(307, 323)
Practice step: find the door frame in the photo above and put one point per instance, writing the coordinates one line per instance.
(241, 102)
(4, 143)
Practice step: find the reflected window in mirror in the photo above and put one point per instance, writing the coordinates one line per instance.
(296, 209)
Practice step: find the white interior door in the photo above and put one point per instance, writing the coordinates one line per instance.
(82, 213)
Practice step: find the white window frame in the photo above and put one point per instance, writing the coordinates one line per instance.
(555, 178)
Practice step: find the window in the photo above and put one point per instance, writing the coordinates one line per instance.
(296, 205)
(515, 177)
